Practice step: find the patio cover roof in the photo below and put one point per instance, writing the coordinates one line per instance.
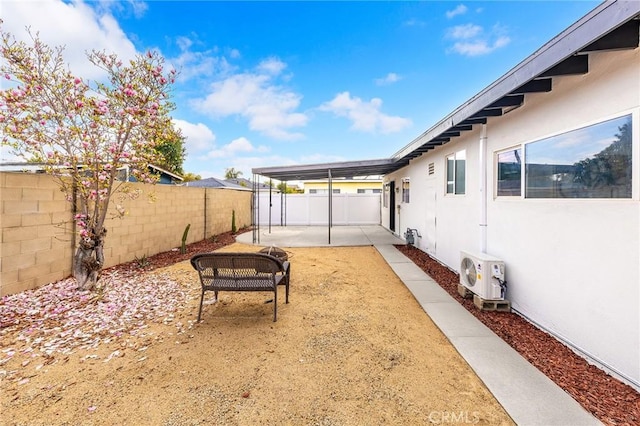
(612, 25)
(346, 169)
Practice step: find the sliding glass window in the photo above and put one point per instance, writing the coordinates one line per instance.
(591, 162)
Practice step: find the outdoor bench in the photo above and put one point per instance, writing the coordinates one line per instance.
(242, 272)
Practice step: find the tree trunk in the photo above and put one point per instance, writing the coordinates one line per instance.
(89, 260)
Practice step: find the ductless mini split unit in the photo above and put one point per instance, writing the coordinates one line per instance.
(483, 275)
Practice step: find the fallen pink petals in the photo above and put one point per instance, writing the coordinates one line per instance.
(59, 319)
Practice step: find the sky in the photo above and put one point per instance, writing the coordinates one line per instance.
(282, 83)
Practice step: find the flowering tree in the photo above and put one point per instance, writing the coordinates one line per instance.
(86, 134)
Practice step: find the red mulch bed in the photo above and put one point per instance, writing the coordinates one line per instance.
(607, 398)
(173, 256)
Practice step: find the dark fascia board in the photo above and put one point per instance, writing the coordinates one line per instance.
(605, 18)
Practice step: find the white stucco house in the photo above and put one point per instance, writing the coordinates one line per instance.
(541, 169)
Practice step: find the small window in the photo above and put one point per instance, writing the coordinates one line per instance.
(376, 191)
(456, 173)
(591, 162)
(361, 191)
(509, 173)
(405, 190)
(385, 195)
(313, 191)
(335, 191)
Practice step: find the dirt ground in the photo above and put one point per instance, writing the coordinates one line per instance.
(352, 347)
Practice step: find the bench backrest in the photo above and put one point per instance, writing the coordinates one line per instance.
(235, 265)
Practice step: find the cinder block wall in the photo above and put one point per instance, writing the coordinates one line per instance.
(35, 220)
(36, 244)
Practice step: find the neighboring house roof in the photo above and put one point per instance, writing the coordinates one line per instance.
(246, 183)
(173, 176)
(166, 177)
(613, 25)
(215, 183)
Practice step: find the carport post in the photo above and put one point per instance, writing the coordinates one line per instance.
(330, 203)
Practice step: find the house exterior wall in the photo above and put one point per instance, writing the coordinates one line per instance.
(36, 242)
(571, 264)
(345, 186)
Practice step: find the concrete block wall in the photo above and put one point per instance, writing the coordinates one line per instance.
(36, 239)
(36, 243)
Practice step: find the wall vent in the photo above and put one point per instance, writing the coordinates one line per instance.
(432, 168)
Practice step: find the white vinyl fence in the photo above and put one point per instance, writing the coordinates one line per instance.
(313, 209)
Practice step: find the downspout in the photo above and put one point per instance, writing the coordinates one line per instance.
(483, 189)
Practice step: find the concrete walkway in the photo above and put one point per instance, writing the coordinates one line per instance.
(530, 397)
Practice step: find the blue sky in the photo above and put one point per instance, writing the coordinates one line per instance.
(282, 83)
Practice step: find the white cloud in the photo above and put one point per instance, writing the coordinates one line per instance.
(472, 40)
(413, 22)
(269, 108)
(364, 116)
(461, 9)
(273, 66)
(192, 64)
(76, 25)
(464, 31)
(479, 47)
(390, 78)
(198, 137)
(237, 146)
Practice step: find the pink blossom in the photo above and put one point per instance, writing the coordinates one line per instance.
(7, 76)
(77, 81)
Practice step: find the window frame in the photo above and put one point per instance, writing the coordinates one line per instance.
(385, 194)
(454, 156)
(635, 128)
(496, 163)
(406, 190)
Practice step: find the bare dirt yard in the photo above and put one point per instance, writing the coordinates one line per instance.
(352, 347)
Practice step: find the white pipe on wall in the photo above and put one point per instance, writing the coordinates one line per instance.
(483, 189)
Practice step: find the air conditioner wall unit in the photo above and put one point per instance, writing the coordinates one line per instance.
(483, 274)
